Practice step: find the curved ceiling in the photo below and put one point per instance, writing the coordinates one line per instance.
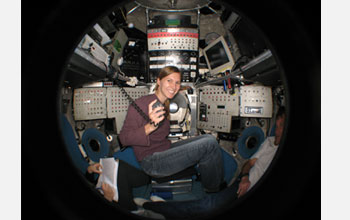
(173, 4)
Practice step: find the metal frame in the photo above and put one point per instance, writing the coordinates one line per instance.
(236, 74)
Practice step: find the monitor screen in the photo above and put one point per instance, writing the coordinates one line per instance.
(218, 56)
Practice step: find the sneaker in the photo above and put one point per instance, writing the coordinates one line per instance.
(140, 201)
(157, 199)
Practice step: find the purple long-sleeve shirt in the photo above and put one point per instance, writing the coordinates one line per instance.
(133, 131)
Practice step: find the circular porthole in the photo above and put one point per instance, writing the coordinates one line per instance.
(244, 39)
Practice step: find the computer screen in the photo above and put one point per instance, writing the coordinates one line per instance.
(218, 56)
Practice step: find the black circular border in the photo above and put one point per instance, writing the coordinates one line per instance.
(50, 31)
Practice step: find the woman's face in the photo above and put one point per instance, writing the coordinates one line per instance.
(168, 86)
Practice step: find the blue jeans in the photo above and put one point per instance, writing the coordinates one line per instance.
(203, 150)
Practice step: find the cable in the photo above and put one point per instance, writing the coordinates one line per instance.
(132, 102)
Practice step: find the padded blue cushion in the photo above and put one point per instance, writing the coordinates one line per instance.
(94, 134)
(253, 131)
(72, 146)
(127, 156)
(230, 166)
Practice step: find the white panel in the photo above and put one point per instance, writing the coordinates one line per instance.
(96, 50)
(117, 103)
(220, 107)
(256, 101)
(89, 103)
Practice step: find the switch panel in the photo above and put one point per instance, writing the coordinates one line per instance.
(89, 103)
(173, 47)
(101, 103)
(216, 108)
(117, 103)
(256, 101)
(173, 39)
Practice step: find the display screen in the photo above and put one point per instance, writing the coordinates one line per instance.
(217, 55)
(172, 22)
(253, 110)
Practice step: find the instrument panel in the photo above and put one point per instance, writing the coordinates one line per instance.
(216, 108)
(173, 40)
(89, 103)
(256, 101)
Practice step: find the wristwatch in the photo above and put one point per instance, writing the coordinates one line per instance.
(155, 124)
(242, 175)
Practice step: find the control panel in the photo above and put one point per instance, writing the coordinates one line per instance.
(117, 103)
(216, 108)
(95, 49)
(134, 59)
(101, 103)
(173, 41)
(89, 103)
(256, 101)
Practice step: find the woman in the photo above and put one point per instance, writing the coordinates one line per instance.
(157, 156)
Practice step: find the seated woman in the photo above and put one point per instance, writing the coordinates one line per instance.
(157, 156)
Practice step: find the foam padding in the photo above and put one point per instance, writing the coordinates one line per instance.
(127, 156)
(95, 154)
(230, 166)
(72, 145)
(255, 132)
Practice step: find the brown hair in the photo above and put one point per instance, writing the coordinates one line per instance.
(164, 72)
